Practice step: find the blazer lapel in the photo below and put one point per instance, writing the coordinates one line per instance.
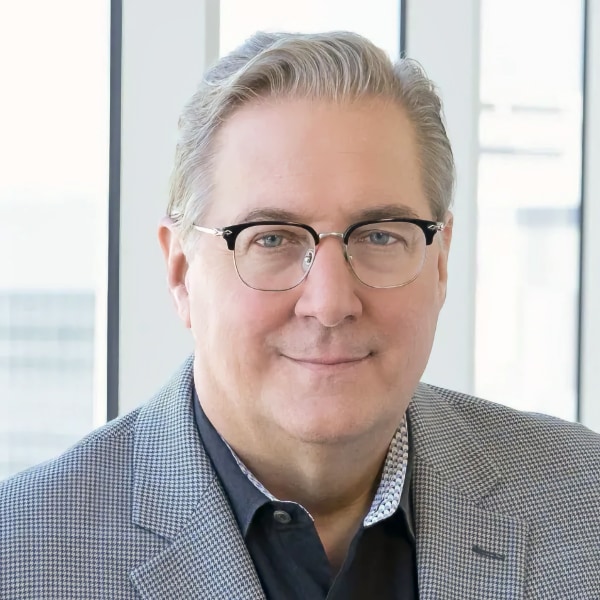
(209, 560)
(177, 496)
(465, 548)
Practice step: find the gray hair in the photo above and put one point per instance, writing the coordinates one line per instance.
(339, 66)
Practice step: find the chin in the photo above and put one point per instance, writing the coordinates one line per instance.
(326, 437)
(328, 427)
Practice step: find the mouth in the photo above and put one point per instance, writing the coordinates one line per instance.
(327, 363)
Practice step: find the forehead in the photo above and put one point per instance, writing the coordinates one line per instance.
(319, 160)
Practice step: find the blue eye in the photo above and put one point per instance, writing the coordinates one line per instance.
(270, 241)
(380, 238)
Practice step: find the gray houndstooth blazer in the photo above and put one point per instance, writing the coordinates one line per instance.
(507, 505)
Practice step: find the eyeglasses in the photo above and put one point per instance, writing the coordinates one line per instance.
(278, 255)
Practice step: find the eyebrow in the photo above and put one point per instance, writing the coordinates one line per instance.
(374, 213)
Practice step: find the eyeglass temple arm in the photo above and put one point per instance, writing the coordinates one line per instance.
(211, 230)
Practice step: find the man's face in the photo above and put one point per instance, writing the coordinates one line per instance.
(332, 359)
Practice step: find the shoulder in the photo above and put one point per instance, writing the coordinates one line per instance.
(505, 424)
(69, 527)
(522, 441)
(56, 517)
(101, 455)
(106, 454)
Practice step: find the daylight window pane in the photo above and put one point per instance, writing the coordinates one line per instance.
(378, 20)
(528, 204)
(54, 119)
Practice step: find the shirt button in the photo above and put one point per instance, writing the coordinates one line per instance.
(282, 517)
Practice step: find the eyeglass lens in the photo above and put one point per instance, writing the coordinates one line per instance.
(278, 257)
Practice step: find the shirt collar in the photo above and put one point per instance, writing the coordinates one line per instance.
(247, 494)
(244, 497)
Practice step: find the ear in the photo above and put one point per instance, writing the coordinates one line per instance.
(177, 267)
(444, 250)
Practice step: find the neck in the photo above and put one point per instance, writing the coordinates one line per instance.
(325, 476)
(336, 485)
(325, 479)
(334, 482)
(334, 479)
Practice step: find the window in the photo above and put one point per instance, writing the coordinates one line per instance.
(54, 120)
(528, 204)
(378, 20)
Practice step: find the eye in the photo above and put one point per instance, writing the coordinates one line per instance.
(270, 240)
(381, 238)
(377, 237)
(278, 238)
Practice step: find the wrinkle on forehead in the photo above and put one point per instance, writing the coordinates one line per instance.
(372, 213)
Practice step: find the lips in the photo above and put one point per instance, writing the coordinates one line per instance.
(329, 361)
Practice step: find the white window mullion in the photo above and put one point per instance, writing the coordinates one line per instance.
(166, 49)
(444, 37)
(590, 318)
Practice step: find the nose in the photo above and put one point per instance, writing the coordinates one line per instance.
(329, 291)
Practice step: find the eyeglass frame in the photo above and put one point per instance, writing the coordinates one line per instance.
(230, 234)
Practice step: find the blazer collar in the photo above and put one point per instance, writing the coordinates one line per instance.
(442, 439)
(170, 468)
(466, 547)
(177, 496)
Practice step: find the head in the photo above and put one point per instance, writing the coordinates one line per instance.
(326, 130)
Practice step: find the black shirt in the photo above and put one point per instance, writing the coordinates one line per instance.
(287, 552)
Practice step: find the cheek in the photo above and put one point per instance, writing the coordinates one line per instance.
(409, 327)
(236, 321)
(425, 295)
(409, 324)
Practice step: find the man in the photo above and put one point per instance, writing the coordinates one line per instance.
(296, 454)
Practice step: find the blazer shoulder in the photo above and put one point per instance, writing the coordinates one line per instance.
(520, 439)
(104, 450)
(99, 467)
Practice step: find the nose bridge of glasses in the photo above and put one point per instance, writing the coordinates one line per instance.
(309, 257)
(335, 234)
